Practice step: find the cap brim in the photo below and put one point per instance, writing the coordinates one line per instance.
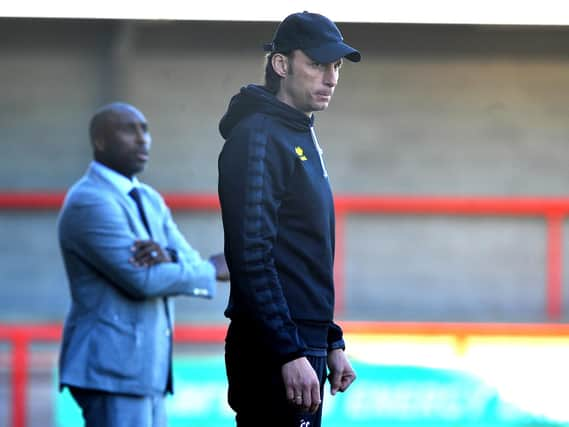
(332, 52)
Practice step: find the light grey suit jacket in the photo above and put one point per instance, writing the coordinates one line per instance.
(116, 329)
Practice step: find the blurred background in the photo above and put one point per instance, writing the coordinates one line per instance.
(447, 148)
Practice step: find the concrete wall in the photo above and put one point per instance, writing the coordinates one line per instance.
(431, 110)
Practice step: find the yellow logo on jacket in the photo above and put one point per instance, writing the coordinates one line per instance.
(300, 153)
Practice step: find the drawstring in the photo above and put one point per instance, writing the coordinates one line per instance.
(320, 152)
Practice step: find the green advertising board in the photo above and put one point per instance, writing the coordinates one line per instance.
(383, 395)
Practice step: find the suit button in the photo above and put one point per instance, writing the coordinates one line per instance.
(167, 332)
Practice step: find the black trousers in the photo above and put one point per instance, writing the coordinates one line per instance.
(256, 388)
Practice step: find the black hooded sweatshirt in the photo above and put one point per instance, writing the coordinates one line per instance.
(278, 218)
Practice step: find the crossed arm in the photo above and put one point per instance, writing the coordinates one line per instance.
(97, 230)
(146, 253)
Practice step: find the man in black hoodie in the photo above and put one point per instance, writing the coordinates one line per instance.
(278, 218)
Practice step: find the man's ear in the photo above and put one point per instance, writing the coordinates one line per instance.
(280, 64)
(98, 144)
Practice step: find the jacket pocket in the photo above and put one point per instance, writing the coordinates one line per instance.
(116, 349)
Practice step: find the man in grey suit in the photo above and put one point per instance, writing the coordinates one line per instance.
(124, 258)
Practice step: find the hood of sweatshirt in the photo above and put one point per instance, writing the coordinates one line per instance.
(253, 99)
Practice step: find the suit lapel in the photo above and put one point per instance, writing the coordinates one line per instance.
(129, 206)
(150, 214)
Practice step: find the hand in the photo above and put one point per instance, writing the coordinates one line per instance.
(301, 384)
(341, 372)
(147, 253)
(221, 269)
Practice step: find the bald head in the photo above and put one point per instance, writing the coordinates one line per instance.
(100, 119)
(120, 138)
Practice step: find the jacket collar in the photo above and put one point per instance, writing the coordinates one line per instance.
(119, 182)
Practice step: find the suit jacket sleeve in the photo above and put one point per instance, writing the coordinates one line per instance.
(97, 229)
(187, 255)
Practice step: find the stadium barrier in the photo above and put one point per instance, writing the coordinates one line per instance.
(460, 335)
(552, 210)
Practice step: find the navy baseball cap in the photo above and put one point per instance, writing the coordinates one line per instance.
(315, 35)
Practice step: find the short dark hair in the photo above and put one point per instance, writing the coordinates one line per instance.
(97, 124)
(272, 79)
(99, 121)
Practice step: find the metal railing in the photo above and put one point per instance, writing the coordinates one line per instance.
(552, 210)
(20, 337)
